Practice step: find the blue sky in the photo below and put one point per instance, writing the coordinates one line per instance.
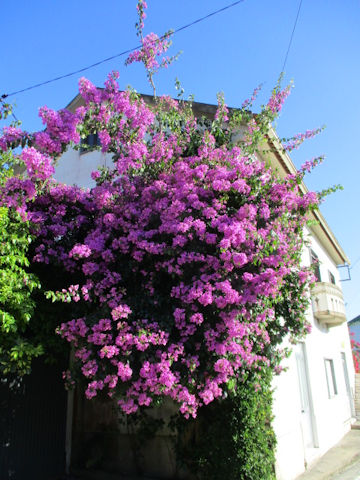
(231, 52)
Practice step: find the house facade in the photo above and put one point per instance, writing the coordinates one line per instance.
(313, 404)
(313, 396)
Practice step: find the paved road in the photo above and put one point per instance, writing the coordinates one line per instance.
(351, 473)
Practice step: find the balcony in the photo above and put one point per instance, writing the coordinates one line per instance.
(328, 304)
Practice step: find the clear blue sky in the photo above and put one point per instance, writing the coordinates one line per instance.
(232, 52)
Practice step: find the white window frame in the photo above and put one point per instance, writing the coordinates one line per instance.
(330, 377)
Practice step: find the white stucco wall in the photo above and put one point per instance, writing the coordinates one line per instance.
(330, 417)
(74, 168)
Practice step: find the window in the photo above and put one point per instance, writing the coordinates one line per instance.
(330, 377)
(89, 143)
(331, 278)
(316, 265)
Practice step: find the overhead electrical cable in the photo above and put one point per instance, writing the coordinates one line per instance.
(125, 52)
(291, 37)
(355, 263)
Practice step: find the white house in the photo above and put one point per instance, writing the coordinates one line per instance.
(313, 398)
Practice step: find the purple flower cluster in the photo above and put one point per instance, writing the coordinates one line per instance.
(277, 99)
(152, 47)
(38, 165)
(294, 142)
(10, 135)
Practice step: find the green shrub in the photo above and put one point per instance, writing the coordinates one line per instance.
(231, 439)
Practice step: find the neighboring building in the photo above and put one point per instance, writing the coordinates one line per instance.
(313, 398)
(354, 330)
(354, 327)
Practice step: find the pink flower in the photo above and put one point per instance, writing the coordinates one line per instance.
(124, 371)
(37, 164)
(80, 251)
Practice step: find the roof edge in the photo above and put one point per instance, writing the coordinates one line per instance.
(321, 229)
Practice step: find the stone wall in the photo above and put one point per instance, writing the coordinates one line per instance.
(103, 442)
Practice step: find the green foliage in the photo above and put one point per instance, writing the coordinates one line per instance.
(16, 302)
(327, 191)
(232, 438)
(17, 284)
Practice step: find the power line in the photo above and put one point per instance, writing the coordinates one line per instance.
(291, 37)
(2, 98)
(125, 52)
(208, 16)
(355, 263)
(71, 73)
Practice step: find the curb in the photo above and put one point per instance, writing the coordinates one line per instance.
(337, 459)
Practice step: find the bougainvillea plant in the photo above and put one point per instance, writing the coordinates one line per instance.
(184, 259)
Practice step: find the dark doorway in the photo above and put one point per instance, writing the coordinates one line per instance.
(32, 425)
